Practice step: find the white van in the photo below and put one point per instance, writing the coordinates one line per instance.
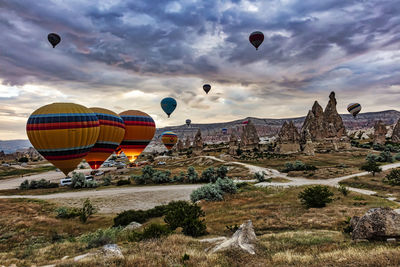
(66, 181)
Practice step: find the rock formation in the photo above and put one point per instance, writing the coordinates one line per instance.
(233, 144)
(187, 143)
(380, 133)
(244, 238)
(323, 131)
(198, 142)
(179, 145)
(396, 133)
(249, 138)
(376, 224)
(288, 139)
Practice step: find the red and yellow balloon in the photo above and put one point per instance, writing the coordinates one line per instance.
(169, 139)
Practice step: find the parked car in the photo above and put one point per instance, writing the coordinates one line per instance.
(5, 165)
(66, 181)
(161, 163)
(98, 173)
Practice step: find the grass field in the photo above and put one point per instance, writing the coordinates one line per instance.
(9, 172)
(288, 234)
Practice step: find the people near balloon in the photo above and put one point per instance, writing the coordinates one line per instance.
(188, 122)
(63, 133)
(112, 131)
(168, 104)
(54, 39)
(139, 130)
(169, 139)
(354, 109)
(256, 38)
(206, 88)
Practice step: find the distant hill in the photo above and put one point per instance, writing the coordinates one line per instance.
(211, 132)
(10, 146)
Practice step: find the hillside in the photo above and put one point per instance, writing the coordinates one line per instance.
(10, 146)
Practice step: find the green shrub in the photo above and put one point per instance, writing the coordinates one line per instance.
(192, 175)
(209, 192)
(298, 166)
(208, 175)
(316, 196)
(226, 185)
(78, 180)
(393, 178)
(185, 215)
(67, 213)
(222, 171)
(153, 231)
(33, 184)
(385, 156)
(123, 182)
(107, 180)
(126, 217)
(87, 210)
(138, 179)
(260, 176)
(343, 189)
(397, 156)
(371, 166)
(23, 160)
(161, 177)
(179, 178)
(101, 237)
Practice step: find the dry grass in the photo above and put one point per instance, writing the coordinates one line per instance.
(10, 172)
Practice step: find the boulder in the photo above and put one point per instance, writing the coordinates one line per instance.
(376, 224)
(132, 226)
(244, 238)
(380, 133)
(111, 251)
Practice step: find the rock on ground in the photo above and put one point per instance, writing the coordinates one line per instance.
(133, 226)
(376, 224)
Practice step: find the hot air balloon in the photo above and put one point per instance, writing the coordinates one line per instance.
(168, 104)
(245, 122)
(354, 109)
(206, 88)
(112, 131)
(54, 39)
(224, 131)
(256, 39)
(139, 130)
(63, 133)
(188, 122)
(169, 139)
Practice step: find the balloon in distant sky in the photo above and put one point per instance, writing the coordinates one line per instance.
(63, 133)
(224, 130)
(112, 131)
(188, 122)
(256, 39)
(139, 130)
(354, 109)
(206, 88)
(54, 39)
(168, 104)
(169, 139)
(245, 122)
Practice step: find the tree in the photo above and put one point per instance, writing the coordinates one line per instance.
(23, 160)
(87, 210)
(371, 166)
(393, 178)
(316, 196)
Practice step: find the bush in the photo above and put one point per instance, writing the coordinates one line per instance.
(107, 180)
(23, 160)
(209, 192)
(208, 175)
(138, 179)
(67, 213)
(87, 210)
(393, 178)
(343, 189)
(222, 172)
(42, 183)
(192, 175)
(316, 196)
(179, 178)
(161, 177)
(226, 185)
(185, 215)
(79, 181)
(260, 176)
(147, 173)
(386, 156)
(371, 166)
(126, 217)
(101, 237)
(152, 231)
(397, 156)
(298, 166)
(123, 182)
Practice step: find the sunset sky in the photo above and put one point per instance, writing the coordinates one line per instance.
(130, 54)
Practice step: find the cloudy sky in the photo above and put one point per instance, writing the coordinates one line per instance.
(130, 54)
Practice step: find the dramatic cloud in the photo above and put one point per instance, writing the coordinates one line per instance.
(130, 54)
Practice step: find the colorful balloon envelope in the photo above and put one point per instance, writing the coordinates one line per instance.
(224, 131)
(168, 104)
(63, 133)
(169, 139)
(256, 39)
(112, 131)
(354, 109)
(139, 130)
(206, 88)
(54, 39)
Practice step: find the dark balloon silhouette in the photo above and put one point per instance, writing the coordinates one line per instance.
(256, 39)
(206, 88)
(54, 39)
(168, 104)
(188, 122)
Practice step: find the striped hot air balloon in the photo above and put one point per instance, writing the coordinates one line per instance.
(354, 109)
(112, 131)
(169, 139)
(63, 133)
(139, 130)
